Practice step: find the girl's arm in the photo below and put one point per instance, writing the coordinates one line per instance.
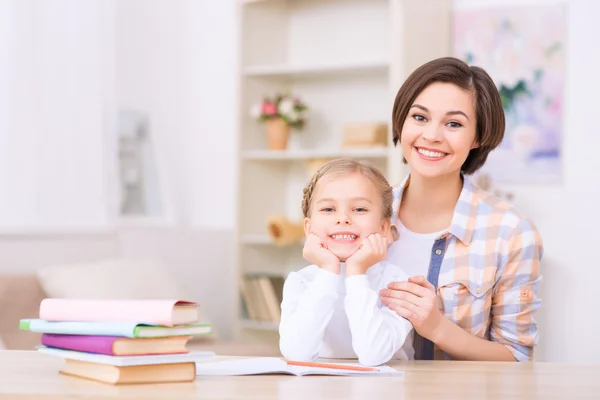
(306, 310)
(377, 332)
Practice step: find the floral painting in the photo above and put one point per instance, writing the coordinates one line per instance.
(523, 50)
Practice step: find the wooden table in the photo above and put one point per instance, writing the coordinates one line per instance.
(30, 375)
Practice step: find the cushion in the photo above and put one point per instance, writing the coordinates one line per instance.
(20, 297)
(121, 278)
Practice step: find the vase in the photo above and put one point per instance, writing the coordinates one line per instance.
(278, 132)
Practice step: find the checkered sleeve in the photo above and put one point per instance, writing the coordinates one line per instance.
(515, 300)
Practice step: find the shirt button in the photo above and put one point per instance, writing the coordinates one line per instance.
(438, 252)
(478, 291)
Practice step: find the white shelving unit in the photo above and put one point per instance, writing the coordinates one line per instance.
(346, 59)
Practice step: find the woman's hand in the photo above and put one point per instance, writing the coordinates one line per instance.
(415, 300)
(315, 251)
(371, 251)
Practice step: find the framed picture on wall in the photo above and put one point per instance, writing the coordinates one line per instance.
(523, 50)
(141, 192)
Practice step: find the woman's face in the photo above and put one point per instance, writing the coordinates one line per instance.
(439, 130)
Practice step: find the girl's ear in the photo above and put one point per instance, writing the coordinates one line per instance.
(307, 226)
(392, 234)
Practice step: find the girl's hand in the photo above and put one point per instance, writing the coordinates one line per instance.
(415, 300)
(372, 250)
(315, 251)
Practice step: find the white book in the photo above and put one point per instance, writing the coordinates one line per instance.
(124, 361)
(274, 365)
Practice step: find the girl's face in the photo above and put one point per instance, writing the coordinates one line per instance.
(344, 211)
(439, 130)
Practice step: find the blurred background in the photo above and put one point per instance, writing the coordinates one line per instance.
(158, 148)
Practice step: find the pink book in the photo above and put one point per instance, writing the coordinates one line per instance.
(149, 312)
(117, 346)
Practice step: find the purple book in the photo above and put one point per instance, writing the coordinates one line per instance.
(87, 344)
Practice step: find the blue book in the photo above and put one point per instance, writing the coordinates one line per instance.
(122, 329)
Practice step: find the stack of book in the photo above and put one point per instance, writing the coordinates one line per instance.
(121, 341)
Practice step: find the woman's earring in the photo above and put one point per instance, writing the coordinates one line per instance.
(393, 234)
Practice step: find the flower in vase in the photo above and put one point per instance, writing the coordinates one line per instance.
(286, 106)
(290, 109)
(269, 109)
(255, 111)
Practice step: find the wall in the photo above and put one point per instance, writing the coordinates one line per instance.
(176, 61)
(55, 98)
(566, 214)
(25, 253)
(211, 111)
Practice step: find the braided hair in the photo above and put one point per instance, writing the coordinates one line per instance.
(344, 166)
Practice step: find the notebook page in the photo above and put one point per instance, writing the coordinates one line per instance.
(246, 366)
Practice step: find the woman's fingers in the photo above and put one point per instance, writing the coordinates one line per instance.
(404, 309)
(394, 296)
(420, 280)
(409, 287)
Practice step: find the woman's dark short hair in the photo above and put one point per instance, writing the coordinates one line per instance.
(488, 105)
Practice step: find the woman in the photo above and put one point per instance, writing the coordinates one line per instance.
(474, 259)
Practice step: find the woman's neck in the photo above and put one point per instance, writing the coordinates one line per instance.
(431, 201)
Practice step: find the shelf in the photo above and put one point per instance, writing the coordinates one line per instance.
(307, 154)
(324, 70)
(259, 325)
(346, 60)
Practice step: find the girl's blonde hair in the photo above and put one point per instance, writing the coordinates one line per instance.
(346, 166)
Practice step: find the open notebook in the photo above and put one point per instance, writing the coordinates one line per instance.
(273, 365)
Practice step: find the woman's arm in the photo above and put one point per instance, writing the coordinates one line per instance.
(513, 332)
(415, 301)
(461, 345)
(306, 310)
(515, 300)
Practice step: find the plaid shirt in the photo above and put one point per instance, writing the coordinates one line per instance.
(486, 271)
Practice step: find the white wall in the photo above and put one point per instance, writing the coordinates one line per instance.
(54, 102)
(150, 78)
(211, 104)
(566, 214)
(176, 60)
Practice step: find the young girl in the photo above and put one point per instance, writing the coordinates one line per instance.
(474, 259)
(332, 308)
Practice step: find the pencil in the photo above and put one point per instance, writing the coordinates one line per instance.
(332, 366)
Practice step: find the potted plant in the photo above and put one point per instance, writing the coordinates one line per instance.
(280, 113)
